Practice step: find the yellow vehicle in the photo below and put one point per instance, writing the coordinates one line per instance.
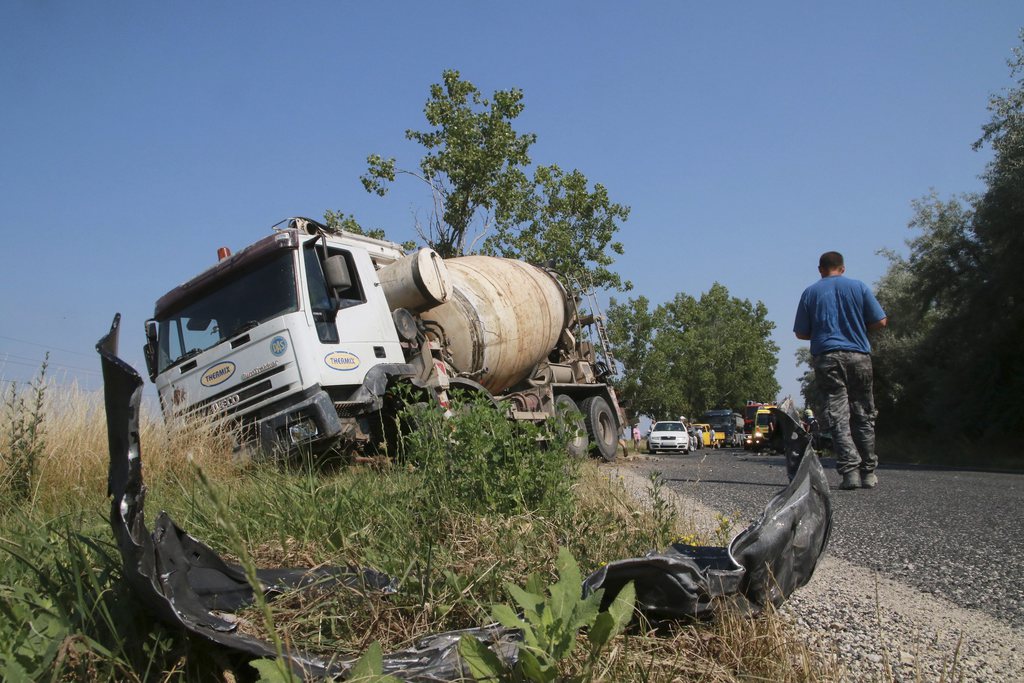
(708, 435)
(760, 436)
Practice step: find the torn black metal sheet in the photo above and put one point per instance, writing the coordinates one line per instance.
(764, 564)
(435, 657)
(681, 582)
(781, 549)
(184, 582)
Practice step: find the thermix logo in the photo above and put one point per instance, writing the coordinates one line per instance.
(342, 360)
(217, 374)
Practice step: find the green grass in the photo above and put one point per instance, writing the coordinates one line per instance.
(476, 503)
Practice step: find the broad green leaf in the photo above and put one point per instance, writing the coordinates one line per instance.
(483, 664)
(601, 632)
(369, 665)
(622, 606)
(534, 584)
(271, 671)
(507, 617)
(565, 593)
(12, 672)
(531, 603)
(534, 670)
(568, 569)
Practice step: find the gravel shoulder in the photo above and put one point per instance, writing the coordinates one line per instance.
(876, 627)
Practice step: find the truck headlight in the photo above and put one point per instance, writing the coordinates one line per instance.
(302, 431)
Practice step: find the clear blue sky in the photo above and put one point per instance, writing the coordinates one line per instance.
(136, 138)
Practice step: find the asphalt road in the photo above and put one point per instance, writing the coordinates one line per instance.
(958, 534)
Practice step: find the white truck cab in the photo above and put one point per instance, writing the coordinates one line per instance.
(257, 335)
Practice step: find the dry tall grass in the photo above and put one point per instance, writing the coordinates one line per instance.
(72, 469)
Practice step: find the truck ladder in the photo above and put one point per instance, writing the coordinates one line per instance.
(602, 335)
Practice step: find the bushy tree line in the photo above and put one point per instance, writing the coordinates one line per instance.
(689, 355)
(951, 360)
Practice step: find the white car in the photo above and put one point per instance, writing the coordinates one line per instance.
(668, 436)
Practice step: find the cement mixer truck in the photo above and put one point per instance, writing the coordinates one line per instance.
(306, 338)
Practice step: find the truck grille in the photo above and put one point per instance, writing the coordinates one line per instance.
(349, 408)
(242, 396)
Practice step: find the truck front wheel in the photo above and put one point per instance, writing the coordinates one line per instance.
(601, 426)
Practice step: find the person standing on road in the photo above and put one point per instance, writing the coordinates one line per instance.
(809, 423)
(835, 315)
(636, 438)
(813, 429)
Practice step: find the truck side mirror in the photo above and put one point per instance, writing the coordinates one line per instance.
(149, 350)
(337, 273)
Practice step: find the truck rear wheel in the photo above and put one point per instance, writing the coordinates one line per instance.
(578, 443)
(601, 426)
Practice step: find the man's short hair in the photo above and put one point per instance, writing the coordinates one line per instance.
(830, 260)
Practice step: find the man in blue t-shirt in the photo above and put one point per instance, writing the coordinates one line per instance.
(835, 314)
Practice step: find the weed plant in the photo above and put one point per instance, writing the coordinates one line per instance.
(478, 503)
(479, 461)
(24, 437)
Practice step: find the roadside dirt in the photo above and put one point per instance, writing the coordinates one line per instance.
(876, 628)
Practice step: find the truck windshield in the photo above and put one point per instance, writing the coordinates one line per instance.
(229, 307)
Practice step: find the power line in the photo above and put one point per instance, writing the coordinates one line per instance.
(39, 361)
(84, 384)
(49, 364)
(47, 346)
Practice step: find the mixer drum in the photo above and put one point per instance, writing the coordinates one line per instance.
(504, 317)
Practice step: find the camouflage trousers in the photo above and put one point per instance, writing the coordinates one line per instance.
(845, 380)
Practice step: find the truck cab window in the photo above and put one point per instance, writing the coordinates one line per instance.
(324, 302)
(226, 308)
(316, 285)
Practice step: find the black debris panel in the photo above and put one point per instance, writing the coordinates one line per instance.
(185, 583)
(763, 564)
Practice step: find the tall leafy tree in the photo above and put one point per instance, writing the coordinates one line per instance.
(921, 293)
(689, 355)
(475, 162)
(485, 197)
(995, 320)
(953, 363)
(569, 227)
